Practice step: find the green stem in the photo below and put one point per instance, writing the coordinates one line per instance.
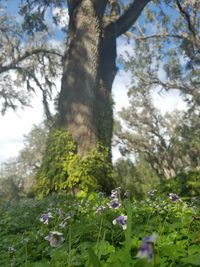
(70, 246)
(98, 238)
(26, 255)
(162, 228)
(148, 219)
(99, 234)
(129, 229)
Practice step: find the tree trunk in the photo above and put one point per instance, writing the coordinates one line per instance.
(85, 102)
(89, 69)
(80, 74)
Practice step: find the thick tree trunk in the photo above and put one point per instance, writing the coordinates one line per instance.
(89, 69)
(84, 102)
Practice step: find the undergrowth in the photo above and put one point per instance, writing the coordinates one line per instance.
(65, 231)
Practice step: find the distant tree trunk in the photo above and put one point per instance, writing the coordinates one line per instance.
(85, 105)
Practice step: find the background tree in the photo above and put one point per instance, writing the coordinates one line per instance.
(165, 57)
(11, 181)
(144, 131)
(135, 178)
(34, 148)
(190, 139)
(17, 175)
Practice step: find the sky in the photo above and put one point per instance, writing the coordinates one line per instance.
(14, 125)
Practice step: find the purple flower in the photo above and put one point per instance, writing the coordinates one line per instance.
(55, 238)
(45, 217)
(121, 220)
(146, 249)
(174, 197)
(114, 203)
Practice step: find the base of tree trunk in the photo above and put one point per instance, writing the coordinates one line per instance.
(64, 169)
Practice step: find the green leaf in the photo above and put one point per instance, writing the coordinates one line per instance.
(93, 258)
(193, 259)
(40, 264)
(143, 263)
(105, 248)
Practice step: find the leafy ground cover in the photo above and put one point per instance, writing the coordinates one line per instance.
(62, 230)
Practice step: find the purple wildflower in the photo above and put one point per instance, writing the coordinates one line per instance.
(45, 217)
(55, 238)
(174, 197)
(114, 203)
(146, 249)
(121, 220)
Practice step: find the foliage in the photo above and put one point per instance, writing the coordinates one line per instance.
(10, 189)
(190, 138)
(185, 184)
(91, 239)
(169, 142)
(34, 146)
(138, 178)
(63, 168)
(52, 175)
(94, 171)
(11, 179)
(17, 174)
(145, 132)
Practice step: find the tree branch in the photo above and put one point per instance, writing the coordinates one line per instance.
(186, 15)
(72, 5)
(44, 92)
(26, 55)
(157, 35)
(128, 18)
(100, 6)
